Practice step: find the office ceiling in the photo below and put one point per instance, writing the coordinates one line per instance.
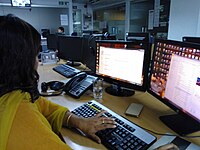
(96, 1)
(78, 1)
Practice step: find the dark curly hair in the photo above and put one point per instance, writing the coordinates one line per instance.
(19, 47)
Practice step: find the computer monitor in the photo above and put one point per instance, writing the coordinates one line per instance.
(124, 64)
(89, 52)
(138, 36)
(89, 49)
(21, 3)
(175, 80)
(191, 39)
(70, 49)
(107, 36)
(89, 32)
(52, 42)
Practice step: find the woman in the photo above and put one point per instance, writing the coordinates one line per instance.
(28, 121)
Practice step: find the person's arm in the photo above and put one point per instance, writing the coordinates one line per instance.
(53, 112)
(58, 115)
(89, 126)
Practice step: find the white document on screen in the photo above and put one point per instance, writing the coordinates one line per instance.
(123, 64)
(183, 84)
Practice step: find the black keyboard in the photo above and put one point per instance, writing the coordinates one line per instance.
(66, 70)
(126, 135)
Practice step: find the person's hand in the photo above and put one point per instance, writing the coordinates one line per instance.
(170, 146)
(89, 126)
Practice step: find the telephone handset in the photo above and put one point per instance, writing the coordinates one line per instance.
(74, 80)
(79, 84)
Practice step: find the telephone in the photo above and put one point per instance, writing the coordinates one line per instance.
(78, 84)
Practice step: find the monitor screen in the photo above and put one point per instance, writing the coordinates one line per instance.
(175, 80)
(21, 3)
(52, 42)
(70, 49)
(124, 64)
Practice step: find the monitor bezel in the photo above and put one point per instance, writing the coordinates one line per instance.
(146, 62)
(171, 105)
(23, 6)
(89, 52)
(191, 39)
(138, 36)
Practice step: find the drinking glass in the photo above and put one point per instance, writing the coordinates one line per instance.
(98, 89)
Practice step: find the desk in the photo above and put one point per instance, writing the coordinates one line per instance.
(149, 118)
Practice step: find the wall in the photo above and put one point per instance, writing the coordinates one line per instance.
(184, 19)
(38, 17)
(111, 18)
(139, 12)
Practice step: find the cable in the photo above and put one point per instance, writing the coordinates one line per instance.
(169, 134)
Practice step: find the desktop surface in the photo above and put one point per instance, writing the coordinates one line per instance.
(149, 117)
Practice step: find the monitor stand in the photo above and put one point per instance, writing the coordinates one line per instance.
(182, 125)
(73, 63)
(117, 90)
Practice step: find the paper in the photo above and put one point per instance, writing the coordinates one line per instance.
(64, 19)
(151, 17)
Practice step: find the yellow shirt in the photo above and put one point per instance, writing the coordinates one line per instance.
(35, 125)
